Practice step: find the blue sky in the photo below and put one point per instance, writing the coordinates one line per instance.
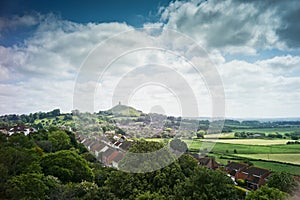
(253, 45)
(134, 13)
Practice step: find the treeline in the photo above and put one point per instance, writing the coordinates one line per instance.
(235, 124)
(9, 120)
(294, 135)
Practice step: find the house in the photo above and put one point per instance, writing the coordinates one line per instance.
(115, 160)
(125, 145)
(4, 131)
(254, 177)
(101, 147)
(209, 162)
(195, 155)
(233, 167)
(106, 154)
(21, 128)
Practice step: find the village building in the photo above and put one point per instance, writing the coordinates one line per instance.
(254, 177)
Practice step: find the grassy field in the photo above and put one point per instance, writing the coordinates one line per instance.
(274, 166)
(280, 154)
(226, 148)
(221, 135)
(280, 130)
(253, 141)
(288, 158)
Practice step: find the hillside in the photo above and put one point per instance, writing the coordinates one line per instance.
(124, 111)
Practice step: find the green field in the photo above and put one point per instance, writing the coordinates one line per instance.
(245, 149)
(288, 158)
(225, 148)
(274, 166)
(276, 157)
(252, 141)
(280, 130)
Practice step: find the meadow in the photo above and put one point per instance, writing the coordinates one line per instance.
(252, 141)
(287, 158)
(274, 154)
(274, 166)
(280, 130)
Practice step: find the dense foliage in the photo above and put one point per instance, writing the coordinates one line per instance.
(51, 164)
(30, 170)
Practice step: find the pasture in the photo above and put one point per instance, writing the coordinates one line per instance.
(287, 158)
(280, 130)
(252, 141)
(270, 154)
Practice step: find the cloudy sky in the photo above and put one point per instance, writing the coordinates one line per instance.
(63, 54)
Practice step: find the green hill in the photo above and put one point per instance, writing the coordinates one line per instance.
(124, 111)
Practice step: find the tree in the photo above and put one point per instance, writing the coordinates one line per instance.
(267, 193)
(19, 139)
(200, 134)
(26, 186)
(206, 184)
(282, 181)
(153, 196)
(16, 160)
(187, 164)
(178, 145)
(67, 166)
(294, 137)
(60, 140)
(145, 156)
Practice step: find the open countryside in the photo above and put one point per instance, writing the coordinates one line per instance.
(252, 141)
(287, 158)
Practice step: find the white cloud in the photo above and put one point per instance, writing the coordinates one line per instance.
(18, 21)
(235, 26)
(257, 90)
(40, 73)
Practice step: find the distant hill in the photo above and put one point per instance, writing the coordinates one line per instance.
(125, 111)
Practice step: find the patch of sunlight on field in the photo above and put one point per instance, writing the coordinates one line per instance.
(287, 158)
(220, 135)
(252, 141)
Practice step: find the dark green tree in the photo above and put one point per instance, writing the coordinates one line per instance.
(267, 193)
(26, 186)
(282, 181)
(206, 184)
(19, 139)
(60, 140)
(178, 145)
(187, 164)
(67, 166)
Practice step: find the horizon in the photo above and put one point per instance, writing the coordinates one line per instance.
(265, 119)
(248, 53)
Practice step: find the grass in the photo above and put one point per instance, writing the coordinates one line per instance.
(279, 153)
(278, 167)
(280, 130)
(253, 141)
(225, 148)
(274, 166)
(288, 158)
(221, 135)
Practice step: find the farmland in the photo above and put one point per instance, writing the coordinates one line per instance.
(270, 154)
(288, 158)
(253, 141)
(280, 130)
(274, 166)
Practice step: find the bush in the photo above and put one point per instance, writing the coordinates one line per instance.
(240, 182)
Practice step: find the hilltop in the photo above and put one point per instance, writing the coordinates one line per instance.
(124, 111)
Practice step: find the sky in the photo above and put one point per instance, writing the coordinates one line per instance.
(65, 54)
